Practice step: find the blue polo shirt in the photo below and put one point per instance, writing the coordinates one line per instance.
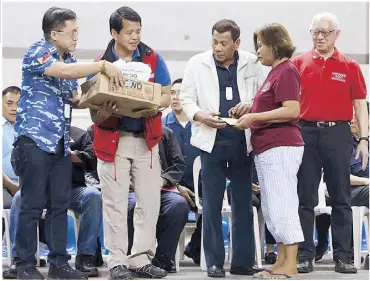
(42, 109)
(188, 151)
(228, 78)
(8, 139)
(161, 76)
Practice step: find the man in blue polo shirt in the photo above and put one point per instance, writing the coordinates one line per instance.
(179, 123)
(133, 160)
(41, 156)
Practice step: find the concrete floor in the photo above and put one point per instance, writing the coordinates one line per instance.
(324, 270)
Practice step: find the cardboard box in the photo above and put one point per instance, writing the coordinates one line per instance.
(136, 95)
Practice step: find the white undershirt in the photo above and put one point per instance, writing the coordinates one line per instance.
(184, 123)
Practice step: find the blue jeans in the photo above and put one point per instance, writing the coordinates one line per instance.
(85, 201)
(44, 181)
(172, 218)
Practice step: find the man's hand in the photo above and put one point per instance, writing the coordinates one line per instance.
(107, 109)
(255, 188)
(115, 75)
(363, 150)
(245, 121)
(75, 158)
(239, 110)
(13, 189)
(210, 119)
(186, 193)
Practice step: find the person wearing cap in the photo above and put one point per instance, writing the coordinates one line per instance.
(331, 86)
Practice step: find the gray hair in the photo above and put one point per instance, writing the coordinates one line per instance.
(328, 17)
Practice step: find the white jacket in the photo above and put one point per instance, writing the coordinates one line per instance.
(200, 92)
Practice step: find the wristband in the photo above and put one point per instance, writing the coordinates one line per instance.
(102, 67)
(363, 138)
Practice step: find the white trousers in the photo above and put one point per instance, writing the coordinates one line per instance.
(277, 170)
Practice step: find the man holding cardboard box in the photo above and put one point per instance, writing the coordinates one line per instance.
(128, 148)
(41, 156)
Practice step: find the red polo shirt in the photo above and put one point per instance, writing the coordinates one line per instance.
(329, 87)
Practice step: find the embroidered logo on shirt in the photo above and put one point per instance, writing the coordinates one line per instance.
(338, 76)
(44, 58)
(266, 87)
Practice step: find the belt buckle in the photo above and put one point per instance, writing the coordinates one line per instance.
(321, 124)
(326, 124)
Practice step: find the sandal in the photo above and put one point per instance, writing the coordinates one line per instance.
(261, 273)
(278, 276)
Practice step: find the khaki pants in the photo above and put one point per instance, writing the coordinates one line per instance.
(132, 160)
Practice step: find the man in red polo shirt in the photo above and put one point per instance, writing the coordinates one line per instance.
(331, 86)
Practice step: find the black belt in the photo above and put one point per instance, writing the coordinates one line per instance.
(321, 124)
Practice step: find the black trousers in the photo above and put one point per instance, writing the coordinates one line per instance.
(330, 149)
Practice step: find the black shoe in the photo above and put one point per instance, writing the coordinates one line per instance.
(305, 266)
(85, 264)
(29, 273)
(215, 271)
(344, 267)
(192, 252)
(120, 272)
(65, 272)
(10, 272)
(164, 263)
(270, 258)
(366, 264)
(149, 271)
(244, 270)
(320, 252)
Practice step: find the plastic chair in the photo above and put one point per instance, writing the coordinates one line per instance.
(6, 217)
(321, 209)
(358, 214)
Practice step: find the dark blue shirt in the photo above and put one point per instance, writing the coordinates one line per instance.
(188, 151)
(357, 163)
(228, 78)
(44, 108)
(161, 76)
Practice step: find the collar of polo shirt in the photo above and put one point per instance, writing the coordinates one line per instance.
(315, 55)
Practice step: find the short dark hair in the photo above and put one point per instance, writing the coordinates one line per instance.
(177, 81)
(277, 37)
(116, 19)
(55, 18)
(226, 25)
(11, 89)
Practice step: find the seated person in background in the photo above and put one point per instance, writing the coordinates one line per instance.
(174, 208)
(10, 180)
(359, 180)
(179, 123)
(86, 201)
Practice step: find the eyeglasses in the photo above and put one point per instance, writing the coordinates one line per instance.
(72, 34)
(316, 33)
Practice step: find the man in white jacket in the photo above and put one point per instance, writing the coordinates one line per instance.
(222, 82)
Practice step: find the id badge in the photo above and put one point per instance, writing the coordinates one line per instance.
(229, 93)
(67, 110)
